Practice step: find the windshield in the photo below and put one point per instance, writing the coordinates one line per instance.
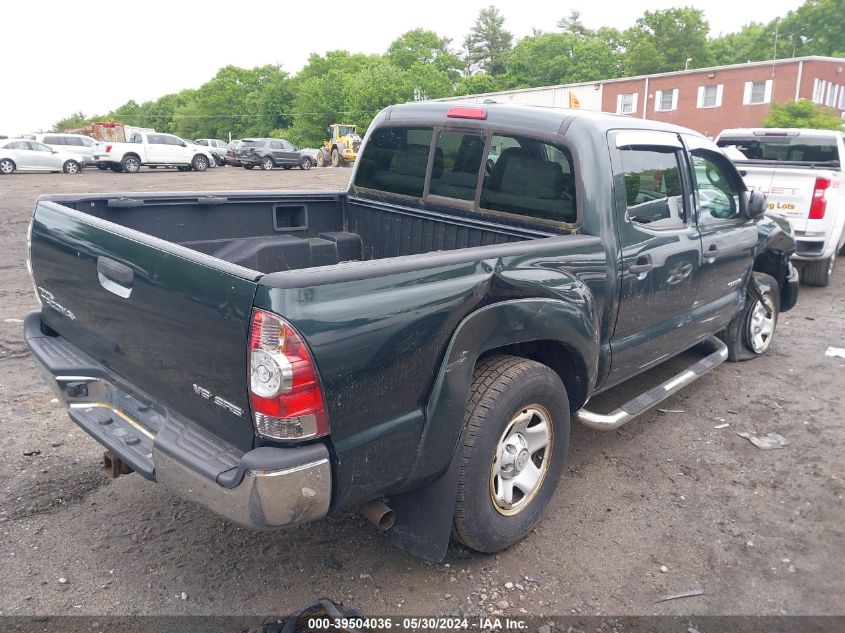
(795, 149)
(346, 130)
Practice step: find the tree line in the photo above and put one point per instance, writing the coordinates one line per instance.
(352, 87)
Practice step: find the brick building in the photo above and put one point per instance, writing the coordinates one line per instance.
(704, 99)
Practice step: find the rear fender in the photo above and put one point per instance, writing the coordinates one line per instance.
(424, 515)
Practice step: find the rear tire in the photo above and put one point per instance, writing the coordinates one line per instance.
(818, 273)
(247, 166)
(7, 166)
(266, 163)
(116, 168)
(514, 447)
(335, 158)
(750, 333)
(131, 164)
(200, 163)
(102, 167)
(71, 167)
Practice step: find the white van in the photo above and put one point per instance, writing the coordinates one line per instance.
(77, 144)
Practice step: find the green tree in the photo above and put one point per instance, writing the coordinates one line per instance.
(478, 83)
(424, 47)
(814, 28)
(662, 41)
(753, 42)
(572, 24)
(77, 119)
(803, 113)
(555, 58)
(488, 43)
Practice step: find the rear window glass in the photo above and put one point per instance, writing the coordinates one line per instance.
(395, 160)
(457, 161)
(801, 149)
(529, 177)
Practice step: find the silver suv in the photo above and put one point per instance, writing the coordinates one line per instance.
(76, 144)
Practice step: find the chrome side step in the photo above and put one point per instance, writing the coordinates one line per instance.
(658, 394)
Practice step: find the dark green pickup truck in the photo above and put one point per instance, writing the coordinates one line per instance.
(419, 342)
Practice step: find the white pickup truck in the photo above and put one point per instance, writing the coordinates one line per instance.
(800, 171)
(154, 149)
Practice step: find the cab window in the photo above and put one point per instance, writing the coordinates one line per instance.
(716, 184)
(457, 162)
(396, 160)
(529, 177)
(653, 191)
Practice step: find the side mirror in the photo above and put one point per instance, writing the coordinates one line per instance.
(756, 204)
(183, 144)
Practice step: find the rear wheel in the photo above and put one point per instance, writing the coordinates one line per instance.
(131, 164)
(102, 167)
(321, 159)
(515, 442)
(71, 167)
(116, 168)
(335, 158)
(750, 333)
(200, 162)
(818, 273)
(7, 166)
(306, 163)
(266, 163)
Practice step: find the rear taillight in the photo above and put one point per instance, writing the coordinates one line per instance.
(287, 402)
(108, 149)
(819, 204)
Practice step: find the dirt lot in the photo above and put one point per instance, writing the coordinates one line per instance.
(669, 504)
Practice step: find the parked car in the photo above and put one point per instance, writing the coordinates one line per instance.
(29, 155)
(154, 150)
(81, 146)
(218, 148)
(272, 152)
(426, 336)
(801, 172)
(232, 153)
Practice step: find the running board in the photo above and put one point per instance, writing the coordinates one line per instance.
(658, 394)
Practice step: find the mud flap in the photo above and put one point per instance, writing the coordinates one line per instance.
(424, 517)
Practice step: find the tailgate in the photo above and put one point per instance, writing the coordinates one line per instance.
(789, 191)
(169, 321)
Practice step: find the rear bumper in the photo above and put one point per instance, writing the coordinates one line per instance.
(265, 488)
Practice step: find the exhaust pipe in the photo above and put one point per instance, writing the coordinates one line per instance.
(114, 467)
(377, 513)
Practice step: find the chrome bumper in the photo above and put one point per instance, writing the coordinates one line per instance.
(265, 488)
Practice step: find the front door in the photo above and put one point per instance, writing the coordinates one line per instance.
(728, 238)
(661, 250)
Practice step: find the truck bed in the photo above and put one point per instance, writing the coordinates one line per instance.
(268, 232)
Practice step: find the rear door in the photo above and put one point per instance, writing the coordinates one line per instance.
(157, 149)
(661, 250)
(161, 317)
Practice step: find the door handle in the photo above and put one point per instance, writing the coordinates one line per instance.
(115, 277)
(642, 265)
(712, 252)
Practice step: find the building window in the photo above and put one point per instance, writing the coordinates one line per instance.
(666, 100)
(626, 103)
(818, 90)
(831, 94)
(757, 92)
(709, 96)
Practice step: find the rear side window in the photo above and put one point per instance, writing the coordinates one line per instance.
(76, 141)
(529, 177)
(252, 143)
(396, 160)
(55, 140)
(653, 191)
(457, 162)
(275, 145)
(153, 139)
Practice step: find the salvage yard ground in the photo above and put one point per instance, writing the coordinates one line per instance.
(674, 502)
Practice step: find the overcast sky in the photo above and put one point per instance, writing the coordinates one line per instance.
(63, 57)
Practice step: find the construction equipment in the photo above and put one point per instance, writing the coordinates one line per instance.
(341, 148)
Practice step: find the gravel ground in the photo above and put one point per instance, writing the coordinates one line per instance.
(671, 503)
